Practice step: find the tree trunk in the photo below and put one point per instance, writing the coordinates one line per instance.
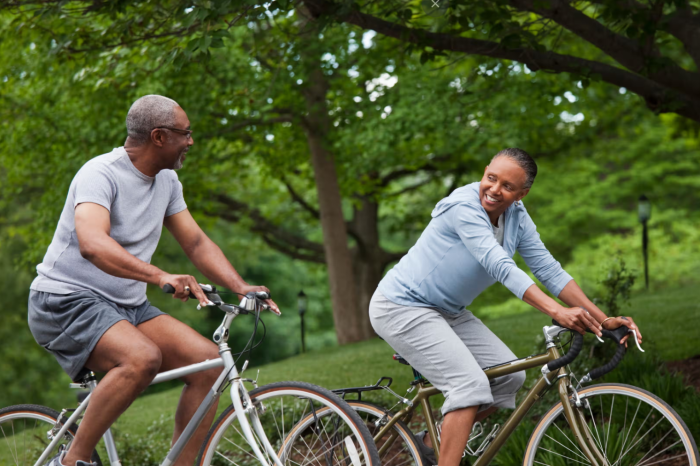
(369, 259)
(346, 315)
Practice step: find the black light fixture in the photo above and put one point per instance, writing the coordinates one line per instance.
(644, 212)
(301, 303)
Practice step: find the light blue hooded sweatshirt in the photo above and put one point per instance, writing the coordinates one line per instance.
(457, 257)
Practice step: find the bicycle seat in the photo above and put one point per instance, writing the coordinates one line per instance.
(397, 357)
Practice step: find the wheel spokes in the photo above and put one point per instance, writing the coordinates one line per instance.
(654, 440)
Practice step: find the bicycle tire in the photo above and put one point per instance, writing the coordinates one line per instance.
(44, 419)
(616, 442)
(269, 400)
(408, 455)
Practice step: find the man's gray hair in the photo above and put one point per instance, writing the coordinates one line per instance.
(148, 112)
(523, 159)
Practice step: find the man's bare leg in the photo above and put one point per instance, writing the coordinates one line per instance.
(182, 346)
(131, 361)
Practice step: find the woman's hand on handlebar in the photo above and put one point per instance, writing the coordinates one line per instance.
(248, 288)
(578, 319)
(184, 285)
(616, 322)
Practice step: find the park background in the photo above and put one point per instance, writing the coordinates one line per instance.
(292, 113)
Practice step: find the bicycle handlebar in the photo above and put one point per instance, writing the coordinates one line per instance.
(170, 289)
(568, 358)
(616, 335)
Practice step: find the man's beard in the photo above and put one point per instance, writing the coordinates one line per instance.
(178, 163)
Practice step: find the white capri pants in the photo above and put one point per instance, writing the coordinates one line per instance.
(449, 351)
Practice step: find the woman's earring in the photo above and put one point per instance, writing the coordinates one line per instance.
(517, 202)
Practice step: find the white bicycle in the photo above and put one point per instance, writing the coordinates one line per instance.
(260, 427)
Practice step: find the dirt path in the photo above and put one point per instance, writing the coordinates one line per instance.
(690, 368)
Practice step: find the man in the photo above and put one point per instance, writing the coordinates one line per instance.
(88, 304)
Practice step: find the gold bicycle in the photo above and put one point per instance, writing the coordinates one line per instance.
(601, 425)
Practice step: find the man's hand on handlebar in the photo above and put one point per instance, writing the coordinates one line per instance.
(616, 322)
(184, 285)
(248, 288)
(578, 319)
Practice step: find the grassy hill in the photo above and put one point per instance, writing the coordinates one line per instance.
(669, 320)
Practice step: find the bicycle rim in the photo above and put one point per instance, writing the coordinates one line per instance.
(397, 447)
(630, 426)
(306, 425)
(24, 434)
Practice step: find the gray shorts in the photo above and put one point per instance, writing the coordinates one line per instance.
(70, 325)
(449, 351)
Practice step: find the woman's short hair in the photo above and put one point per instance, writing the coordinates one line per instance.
(524, 160)
(148, 112)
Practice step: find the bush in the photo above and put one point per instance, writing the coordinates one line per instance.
(146, 450)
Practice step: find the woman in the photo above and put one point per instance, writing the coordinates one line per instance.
(419, 306)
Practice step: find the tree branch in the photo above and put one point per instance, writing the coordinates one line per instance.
(390, 257)
(657, 97)
(254, 121)
(627, 52)
(401, 172)
(274, 235)
(301, 201)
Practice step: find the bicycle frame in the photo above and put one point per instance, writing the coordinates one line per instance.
(239, 397)
(573, 414)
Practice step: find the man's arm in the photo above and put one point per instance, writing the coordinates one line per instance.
(207, 256)
(92, 226)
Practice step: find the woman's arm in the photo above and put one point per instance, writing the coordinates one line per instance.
(573, 295)
(573, 317)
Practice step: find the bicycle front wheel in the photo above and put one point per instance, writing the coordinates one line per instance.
(305, 424)
(628, 425)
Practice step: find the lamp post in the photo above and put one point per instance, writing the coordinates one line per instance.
(301, 302)
(644, 216)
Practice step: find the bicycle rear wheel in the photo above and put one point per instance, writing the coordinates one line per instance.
(305, 424)
(630, 426)
(398, 447)
(25, 433)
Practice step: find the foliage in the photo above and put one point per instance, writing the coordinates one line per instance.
(146, 449)
(655, 45)
(616, 287)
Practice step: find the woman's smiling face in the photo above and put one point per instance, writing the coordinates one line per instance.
(503, 183)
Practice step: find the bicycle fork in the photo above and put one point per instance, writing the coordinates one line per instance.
(243, 406)
(573, 411)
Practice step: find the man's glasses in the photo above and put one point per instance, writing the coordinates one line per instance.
(186, 132)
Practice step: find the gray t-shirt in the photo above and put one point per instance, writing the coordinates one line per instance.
(499, 230)
(137, 204)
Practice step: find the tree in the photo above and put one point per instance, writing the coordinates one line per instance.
(309, 122)
(650, 48)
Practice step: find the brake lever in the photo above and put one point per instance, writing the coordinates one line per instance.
(267, 307)
(634, 334)
(209, 304)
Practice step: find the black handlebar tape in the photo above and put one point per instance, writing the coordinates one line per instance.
(170, 289)
(616, 334)
(601, 371)
(576, 347)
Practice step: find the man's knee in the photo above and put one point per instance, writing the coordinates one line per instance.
(145, 364)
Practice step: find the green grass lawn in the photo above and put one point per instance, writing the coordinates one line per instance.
(669, 320)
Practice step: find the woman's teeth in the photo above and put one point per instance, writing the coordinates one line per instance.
(490, 199)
